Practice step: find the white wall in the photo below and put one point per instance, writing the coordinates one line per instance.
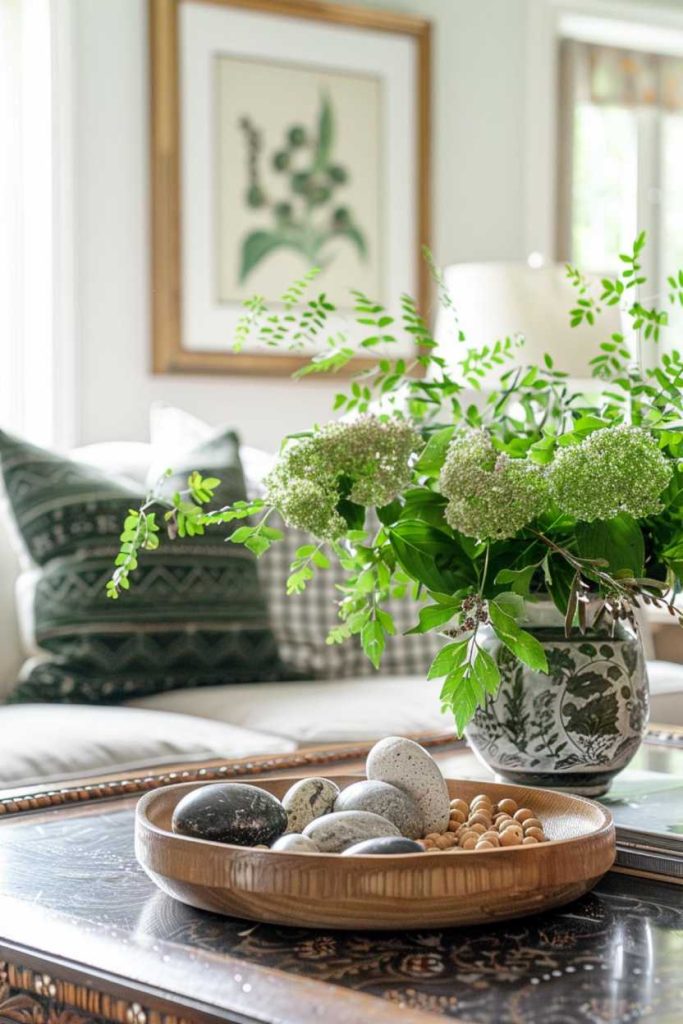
(477, 201)
(482, 170)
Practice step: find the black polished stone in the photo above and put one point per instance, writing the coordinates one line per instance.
(384, 845)
(230, 812)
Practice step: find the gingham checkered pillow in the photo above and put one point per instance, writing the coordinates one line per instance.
(301, 622)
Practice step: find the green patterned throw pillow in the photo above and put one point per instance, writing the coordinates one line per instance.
(196, 616)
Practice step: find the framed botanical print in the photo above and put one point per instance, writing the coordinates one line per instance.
(285, 135)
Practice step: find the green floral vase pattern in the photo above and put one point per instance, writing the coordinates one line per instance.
(574, 728)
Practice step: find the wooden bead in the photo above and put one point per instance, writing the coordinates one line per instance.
(529, 841)
(511, 838)
(491, 837)
(480, 818)
(433, 836)
(484, 844)
(511, 825)
(500, 819)
(476, 826)
(469, 842)
(510, 806)
(523, 814)
(457, 815)
(442, 842)
(481, 799)
(535, 833)
(454, 826)
(532, 823)
(460, 805)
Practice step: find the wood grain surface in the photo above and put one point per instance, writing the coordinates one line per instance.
(387, 892)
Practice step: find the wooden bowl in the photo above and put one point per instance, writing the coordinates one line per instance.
(418, 890)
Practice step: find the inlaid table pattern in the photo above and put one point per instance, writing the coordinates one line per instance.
(86, 936)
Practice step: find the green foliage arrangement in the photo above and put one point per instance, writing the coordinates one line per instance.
(479, 504)
(305, 216)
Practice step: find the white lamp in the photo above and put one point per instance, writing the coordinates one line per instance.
(498, 300)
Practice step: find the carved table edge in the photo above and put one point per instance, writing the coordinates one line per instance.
(109, 788)
(27, 994)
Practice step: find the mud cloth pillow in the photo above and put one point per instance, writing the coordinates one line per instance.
(195, 615)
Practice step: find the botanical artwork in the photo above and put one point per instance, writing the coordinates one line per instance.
(298, 177)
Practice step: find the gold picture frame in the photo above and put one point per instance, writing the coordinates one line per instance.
(169, 354)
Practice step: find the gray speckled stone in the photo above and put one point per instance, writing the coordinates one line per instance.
(293, 842)
(386, 845)
(388, 801)
(307, 800)
(334, 832)
(410, 767)
(230, 812)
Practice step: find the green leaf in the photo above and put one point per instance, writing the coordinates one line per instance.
(372, 640)
(448, 659)
(519, 580)
(256, 246)
(431, 617)
(486, 672)
(428, 556)
(511, 603)
(388, 514)
(461, 695)
(619, 541)
(433, 455)
(325, 140)
(352, 514)
(522, 644)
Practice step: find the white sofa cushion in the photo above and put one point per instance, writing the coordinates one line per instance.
(347, 710)
(52, 742)
(362, 708)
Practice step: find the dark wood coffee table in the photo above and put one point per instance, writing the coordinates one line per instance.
(85, 936)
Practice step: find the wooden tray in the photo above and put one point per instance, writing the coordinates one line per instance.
(418, 890)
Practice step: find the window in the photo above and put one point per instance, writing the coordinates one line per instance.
(35, 329)
(621, 146)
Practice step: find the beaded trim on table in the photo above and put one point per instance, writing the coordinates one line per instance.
(230, 769)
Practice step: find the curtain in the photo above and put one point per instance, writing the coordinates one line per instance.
(627, 78)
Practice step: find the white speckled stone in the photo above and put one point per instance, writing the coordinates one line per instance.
(293, 842)
(335, 832)
(388, 801)
(407, 765)
(307, 800)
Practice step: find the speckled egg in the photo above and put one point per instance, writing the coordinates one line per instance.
(307, 800)
(408, 766)
(294, 842)
(385, 845)
(230, 812)
(335, 832)
(388, 801)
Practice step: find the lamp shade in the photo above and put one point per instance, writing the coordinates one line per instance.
(498, 300)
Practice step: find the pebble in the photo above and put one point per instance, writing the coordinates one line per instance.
(388, 801)
(337, 831)
(293, 842)
(307, 800)
(407, 765)
(384, 845)
(230, 812)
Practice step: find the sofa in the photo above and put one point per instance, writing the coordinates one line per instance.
(47, 742)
